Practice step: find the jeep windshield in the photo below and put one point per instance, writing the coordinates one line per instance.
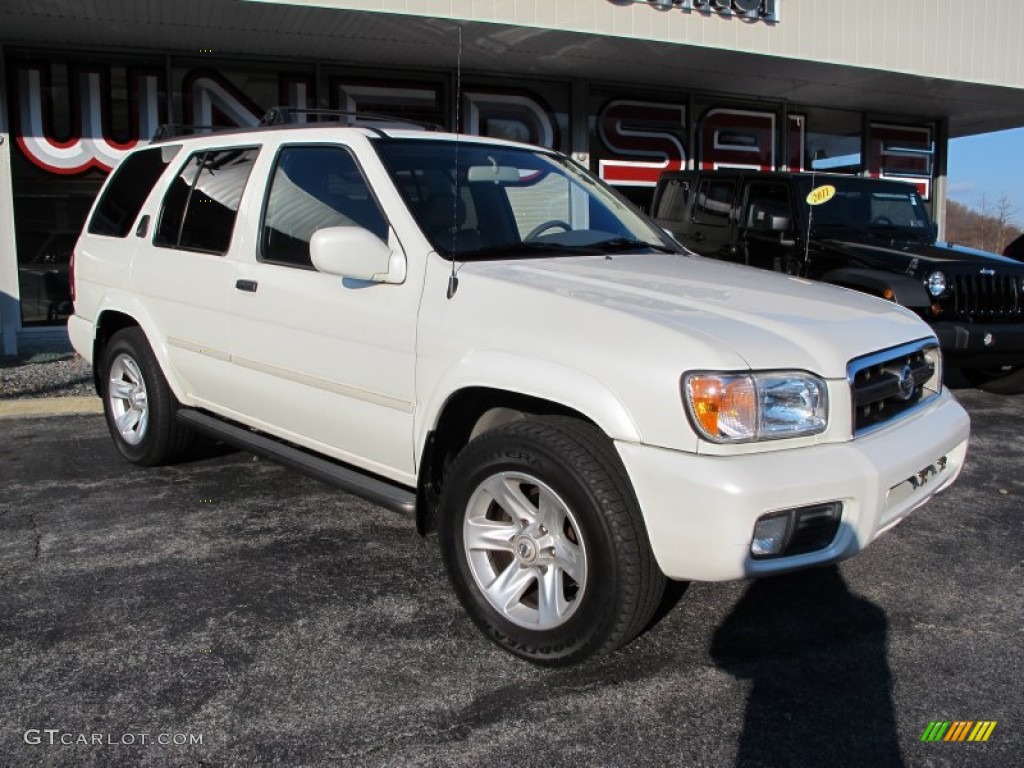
(483, 201)
(867, 209)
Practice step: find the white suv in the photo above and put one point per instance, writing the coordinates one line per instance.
(483, 334)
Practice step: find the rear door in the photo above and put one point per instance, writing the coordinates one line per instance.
(185, 273)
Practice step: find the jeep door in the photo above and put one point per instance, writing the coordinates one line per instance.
(327, 361)
(767, 227)
(711, 225)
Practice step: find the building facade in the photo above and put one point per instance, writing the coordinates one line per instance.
(630, 88)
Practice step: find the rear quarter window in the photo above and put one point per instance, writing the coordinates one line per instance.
(127, 190)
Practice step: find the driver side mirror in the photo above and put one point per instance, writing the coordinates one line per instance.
(357, 254)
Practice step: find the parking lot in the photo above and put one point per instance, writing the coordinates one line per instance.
(231, 612)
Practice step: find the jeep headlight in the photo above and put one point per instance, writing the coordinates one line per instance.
(937, 284)
(747, 407)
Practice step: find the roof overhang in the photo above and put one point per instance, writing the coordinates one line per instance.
(376, 39)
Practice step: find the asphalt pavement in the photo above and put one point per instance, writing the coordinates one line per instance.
(231, 612)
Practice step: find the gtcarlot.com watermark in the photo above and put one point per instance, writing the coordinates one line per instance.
(58, 737)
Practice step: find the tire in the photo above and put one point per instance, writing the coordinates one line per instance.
(544, 542)
(138, 403)
(1008, 380)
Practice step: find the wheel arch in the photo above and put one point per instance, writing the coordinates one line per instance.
(905, 290)
(474, 408)
(113, 317)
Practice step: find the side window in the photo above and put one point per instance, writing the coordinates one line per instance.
(201, 204)
(714, 201)
(313, 187)
(128, 189)
(672, 201)
(768, 207)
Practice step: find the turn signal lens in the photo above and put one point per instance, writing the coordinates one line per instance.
(724, 406)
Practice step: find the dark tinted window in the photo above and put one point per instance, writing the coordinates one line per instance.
(313, 188)
(767, 207)
(714, 201)
(201, 205)
(672, 201)
(127, 191)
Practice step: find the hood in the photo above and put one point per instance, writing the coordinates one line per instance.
(900, 257)
(763, 319)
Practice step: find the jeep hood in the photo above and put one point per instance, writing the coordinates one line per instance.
(900, 257)
(767, 320)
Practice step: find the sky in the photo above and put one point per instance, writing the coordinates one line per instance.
(990, 164)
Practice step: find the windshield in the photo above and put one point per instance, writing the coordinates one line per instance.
(870, 207)
(476, 200)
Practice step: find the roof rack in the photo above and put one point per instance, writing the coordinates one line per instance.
(279, 116)
(171, 130)
(288, 115)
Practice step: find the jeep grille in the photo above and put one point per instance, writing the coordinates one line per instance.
(987, 296)
(890, 384)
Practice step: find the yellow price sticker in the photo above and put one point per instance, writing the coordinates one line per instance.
(821, 194)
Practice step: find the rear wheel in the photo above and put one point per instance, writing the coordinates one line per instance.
(138, 403)
(544, 542)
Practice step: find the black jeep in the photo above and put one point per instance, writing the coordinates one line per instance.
(872, 235)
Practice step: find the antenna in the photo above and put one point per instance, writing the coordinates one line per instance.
(818, 154)
(453, 279)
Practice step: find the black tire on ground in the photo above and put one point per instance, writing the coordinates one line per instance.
(157, 438)
(1008, 380)
(585, 584)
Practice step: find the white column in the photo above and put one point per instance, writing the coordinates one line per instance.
(10, 305)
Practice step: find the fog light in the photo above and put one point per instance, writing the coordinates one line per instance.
(770, 534)
(796, 531)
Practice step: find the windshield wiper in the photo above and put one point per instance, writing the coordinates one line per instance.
(837, 228)
(515, 250)
(627, 244)
(894, 232)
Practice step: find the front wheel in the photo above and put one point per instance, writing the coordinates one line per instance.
(544, 542)
(139, 404)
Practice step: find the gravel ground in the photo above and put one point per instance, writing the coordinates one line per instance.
(45, 374)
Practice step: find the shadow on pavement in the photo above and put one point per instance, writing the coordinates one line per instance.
(815, 655)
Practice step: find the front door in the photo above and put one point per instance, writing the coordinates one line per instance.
(328, 362)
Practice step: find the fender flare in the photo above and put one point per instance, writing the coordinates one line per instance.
(126, 304)
(540, 379)
(907, 291)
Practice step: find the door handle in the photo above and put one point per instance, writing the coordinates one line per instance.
(698, 236)
(246, 285)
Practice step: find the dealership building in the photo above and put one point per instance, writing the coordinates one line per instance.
(629, 88)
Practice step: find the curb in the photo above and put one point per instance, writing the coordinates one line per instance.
(49, 406)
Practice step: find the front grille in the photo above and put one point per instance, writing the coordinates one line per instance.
(889, 384)
(988, 296)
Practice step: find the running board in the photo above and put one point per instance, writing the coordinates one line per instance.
(393, 497)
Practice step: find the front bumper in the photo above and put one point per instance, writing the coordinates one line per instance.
(980, 343)
(700, 511)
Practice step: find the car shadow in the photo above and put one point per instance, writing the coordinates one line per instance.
(820, 688)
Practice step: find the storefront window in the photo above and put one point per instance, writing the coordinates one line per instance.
(64, 151)
(636, 137)
(832, 142)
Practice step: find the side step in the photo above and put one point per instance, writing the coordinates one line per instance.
(393, 497)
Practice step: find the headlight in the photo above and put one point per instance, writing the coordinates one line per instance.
(747, 407)
(937, 284)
